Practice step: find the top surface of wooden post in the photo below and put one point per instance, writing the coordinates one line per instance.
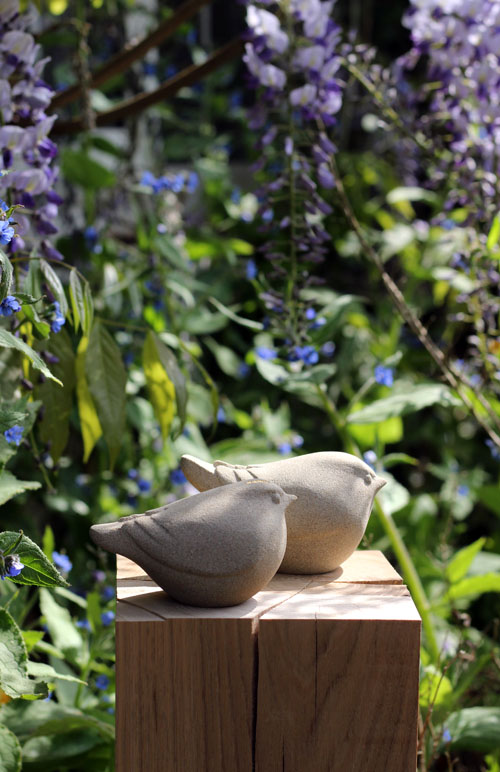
(355, 590)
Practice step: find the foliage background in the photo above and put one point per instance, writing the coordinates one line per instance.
(172, 366)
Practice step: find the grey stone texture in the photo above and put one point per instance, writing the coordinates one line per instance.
(335, 493)
(213, 549)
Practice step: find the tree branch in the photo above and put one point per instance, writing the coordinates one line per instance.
(450, 373)
(124, 59)
(145, 99)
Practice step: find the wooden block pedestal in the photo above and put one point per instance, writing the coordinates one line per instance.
(313, 674)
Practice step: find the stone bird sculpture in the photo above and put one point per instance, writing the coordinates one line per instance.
(213, 549)
(335, 493)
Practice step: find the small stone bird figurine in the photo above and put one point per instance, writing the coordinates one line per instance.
(335, 493)
(213, 549)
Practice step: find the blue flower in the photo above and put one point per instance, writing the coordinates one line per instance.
(84, 624)
(107, 618)
(177, 477)
(310, 314)
(266, 353)
(251, 269)
(284, 448)
(328, 349)
(384, 375)
(192, 182)
(318, 322)
(307, 354)
(447, 735)
(221, 415)
(12, 567)
(495, 452)
(297, 441)
(58, 318)
(463, 490)
(14, 434)
(108, 592)
(90, 235)
(143, 485)
(102, 682)
(6, 231)
(243, 370)
(132, 474)
(9, 305)
(62, 561)
(370, 458)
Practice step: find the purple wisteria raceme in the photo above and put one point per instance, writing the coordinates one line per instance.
(461, 42)
(26, 151)
(293, 57)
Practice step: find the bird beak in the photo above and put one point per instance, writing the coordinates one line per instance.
(289, 497)
(379, 483)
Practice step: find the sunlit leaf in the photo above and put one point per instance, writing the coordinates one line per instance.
(89, 421)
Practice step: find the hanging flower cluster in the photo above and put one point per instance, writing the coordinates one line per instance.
(292, 54)
(26, 151)
(461, 40)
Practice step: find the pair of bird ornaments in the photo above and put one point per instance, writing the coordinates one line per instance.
(302, 515)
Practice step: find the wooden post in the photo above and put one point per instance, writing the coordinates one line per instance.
(313, 674)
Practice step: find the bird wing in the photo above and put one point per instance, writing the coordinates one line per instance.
(230, 473)
(205, 547)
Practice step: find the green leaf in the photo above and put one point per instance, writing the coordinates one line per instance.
(161, 388)
(434, 688)
(475, 729)
(64, 634)
(9, 415)
(77, 299)
(107, 379)
(94, 610)
(53, 425)
(79, 168)
(58, 749)
(45, 672)
(318, 374)
(8, 340)
(38, 569)
(89, 422)
(494, 233)
(461, 561)
(473, 586)
(5, 276)
(10, 751)
(10, 486)
(235, 317)
(14, 679)
(48, 542)
(31, 638)
(393, 496)
(227, 360)
(55, 285)
(88, 320)
(169, 362)
(489, 495)
(409, 401)
(41, 329)
(411, 194)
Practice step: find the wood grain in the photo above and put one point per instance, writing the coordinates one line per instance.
(312, 674)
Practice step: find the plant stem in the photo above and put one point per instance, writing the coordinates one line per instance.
(398, 546)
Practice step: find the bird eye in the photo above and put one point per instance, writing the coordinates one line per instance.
(368, 479)
(275, 498)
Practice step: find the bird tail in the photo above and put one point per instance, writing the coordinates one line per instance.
(200, 473)
(109, 536)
